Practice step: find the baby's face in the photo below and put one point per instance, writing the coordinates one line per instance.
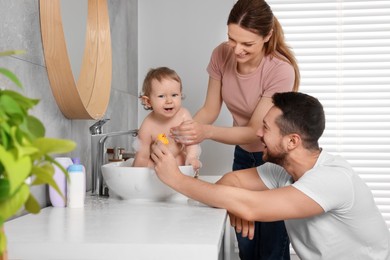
(165, 97)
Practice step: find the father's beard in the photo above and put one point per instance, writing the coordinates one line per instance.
(277, 157)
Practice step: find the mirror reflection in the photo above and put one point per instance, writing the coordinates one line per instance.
(74, 15)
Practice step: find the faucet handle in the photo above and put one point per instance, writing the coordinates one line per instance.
(96, 128)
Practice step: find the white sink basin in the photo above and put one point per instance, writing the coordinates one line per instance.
(137, 182)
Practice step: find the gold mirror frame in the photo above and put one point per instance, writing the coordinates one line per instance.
(90, 97)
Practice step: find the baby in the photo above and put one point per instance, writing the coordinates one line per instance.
(162, 93)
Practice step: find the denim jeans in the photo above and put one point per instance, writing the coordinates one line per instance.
(270, 240)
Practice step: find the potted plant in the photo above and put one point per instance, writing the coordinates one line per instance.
(25, 154)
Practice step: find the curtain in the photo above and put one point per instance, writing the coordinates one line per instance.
(343, 51)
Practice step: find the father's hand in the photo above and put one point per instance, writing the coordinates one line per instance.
(164, 161)
(246, 228)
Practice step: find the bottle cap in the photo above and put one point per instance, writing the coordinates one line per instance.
(76, 160)
(75, 168)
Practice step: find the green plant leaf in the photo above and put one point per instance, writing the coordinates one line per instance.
(26, 150)
(11, 76)
(34, 127)
(16, 169)
(32, 205)
(4, 130)
(4, 189)
(21, 144)
(53, 146)
(12, 108)
(3, 239)
(24, 102)
(44, 175)
(10, 206)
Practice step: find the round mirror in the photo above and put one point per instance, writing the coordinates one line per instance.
(88, 99)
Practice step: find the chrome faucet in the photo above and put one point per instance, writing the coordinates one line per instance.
(98, 140)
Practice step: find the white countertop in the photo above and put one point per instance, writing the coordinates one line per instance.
(108, 228)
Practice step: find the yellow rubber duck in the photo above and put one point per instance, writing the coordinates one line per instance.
(163, 138)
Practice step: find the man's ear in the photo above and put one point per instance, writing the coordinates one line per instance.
(294, 141)
(145, 101)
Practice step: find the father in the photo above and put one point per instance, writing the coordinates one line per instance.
(328, 210)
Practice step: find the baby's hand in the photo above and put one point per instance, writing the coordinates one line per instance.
(196, 164)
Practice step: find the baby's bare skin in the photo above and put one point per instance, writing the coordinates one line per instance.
(152, 128)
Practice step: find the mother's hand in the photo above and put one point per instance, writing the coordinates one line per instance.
(189, 132)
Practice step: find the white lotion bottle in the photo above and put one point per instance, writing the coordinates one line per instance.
(76, 185)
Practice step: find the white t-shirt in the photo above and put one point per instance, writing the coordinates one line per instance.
(351, 226)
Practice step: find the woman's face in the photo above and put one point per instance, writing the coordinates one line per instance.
(248, 46)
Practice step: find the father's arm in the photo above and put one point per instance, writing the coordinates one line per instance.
(249, 203)
(247, 179)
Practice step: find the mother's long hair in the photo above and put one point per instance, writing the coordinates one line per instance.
(256, 16)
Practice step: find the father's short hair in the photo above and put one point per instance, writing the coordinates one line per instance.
(302, 114)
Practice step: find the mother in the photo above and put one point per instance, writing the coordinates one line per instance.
(245, 72)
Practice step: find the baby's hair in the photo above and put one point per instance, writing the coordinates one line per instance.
(158, 74)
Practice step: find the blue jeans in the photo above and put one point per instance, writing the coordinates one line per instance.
(270, 240)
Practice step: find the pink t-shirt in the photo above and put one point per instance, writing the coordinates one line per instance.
(241, 93)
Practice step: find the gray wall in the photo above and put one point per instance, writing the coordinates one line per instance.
(20, 29)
